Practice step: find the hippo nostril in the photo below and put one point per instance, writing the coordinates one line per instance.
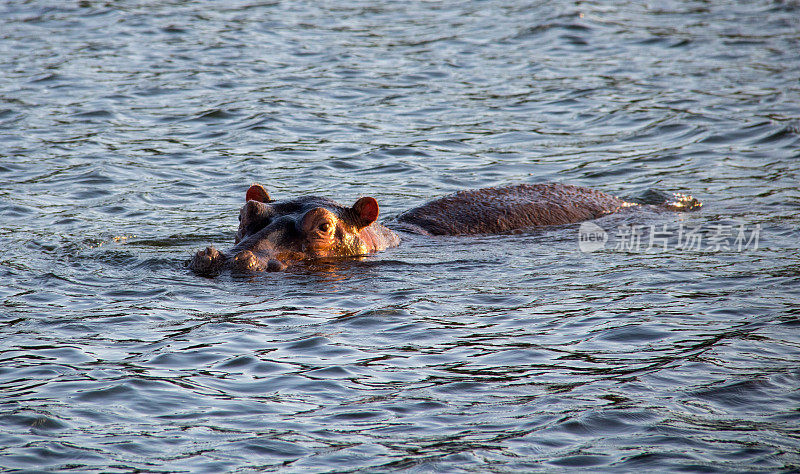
(275, 266)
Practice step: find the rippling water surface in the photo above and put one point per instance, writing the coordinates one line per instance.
(129, 132)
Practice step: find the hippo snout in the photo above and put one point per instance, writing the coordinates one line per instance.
(248, 262)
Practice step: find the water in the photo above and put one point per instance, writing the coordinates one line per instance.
(129, 133)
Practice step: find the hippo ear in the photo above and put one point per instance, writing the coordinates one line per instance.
(256, 192)
(365, 211)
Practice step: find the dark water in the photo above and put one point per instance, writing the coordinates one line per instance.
(129, 133)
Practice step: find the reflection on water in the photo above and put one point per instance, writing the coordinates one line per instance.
(128, 135)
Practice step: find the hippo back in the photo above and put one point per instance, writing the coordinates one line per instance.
(503, 209)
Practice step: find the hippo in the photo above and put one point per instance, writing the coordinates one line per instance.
(274, 234)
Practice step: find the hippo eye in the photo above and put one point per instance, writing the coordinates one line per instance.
(324, 227)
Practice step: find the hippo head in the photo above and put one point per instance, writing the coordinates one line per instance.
(273, 234)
